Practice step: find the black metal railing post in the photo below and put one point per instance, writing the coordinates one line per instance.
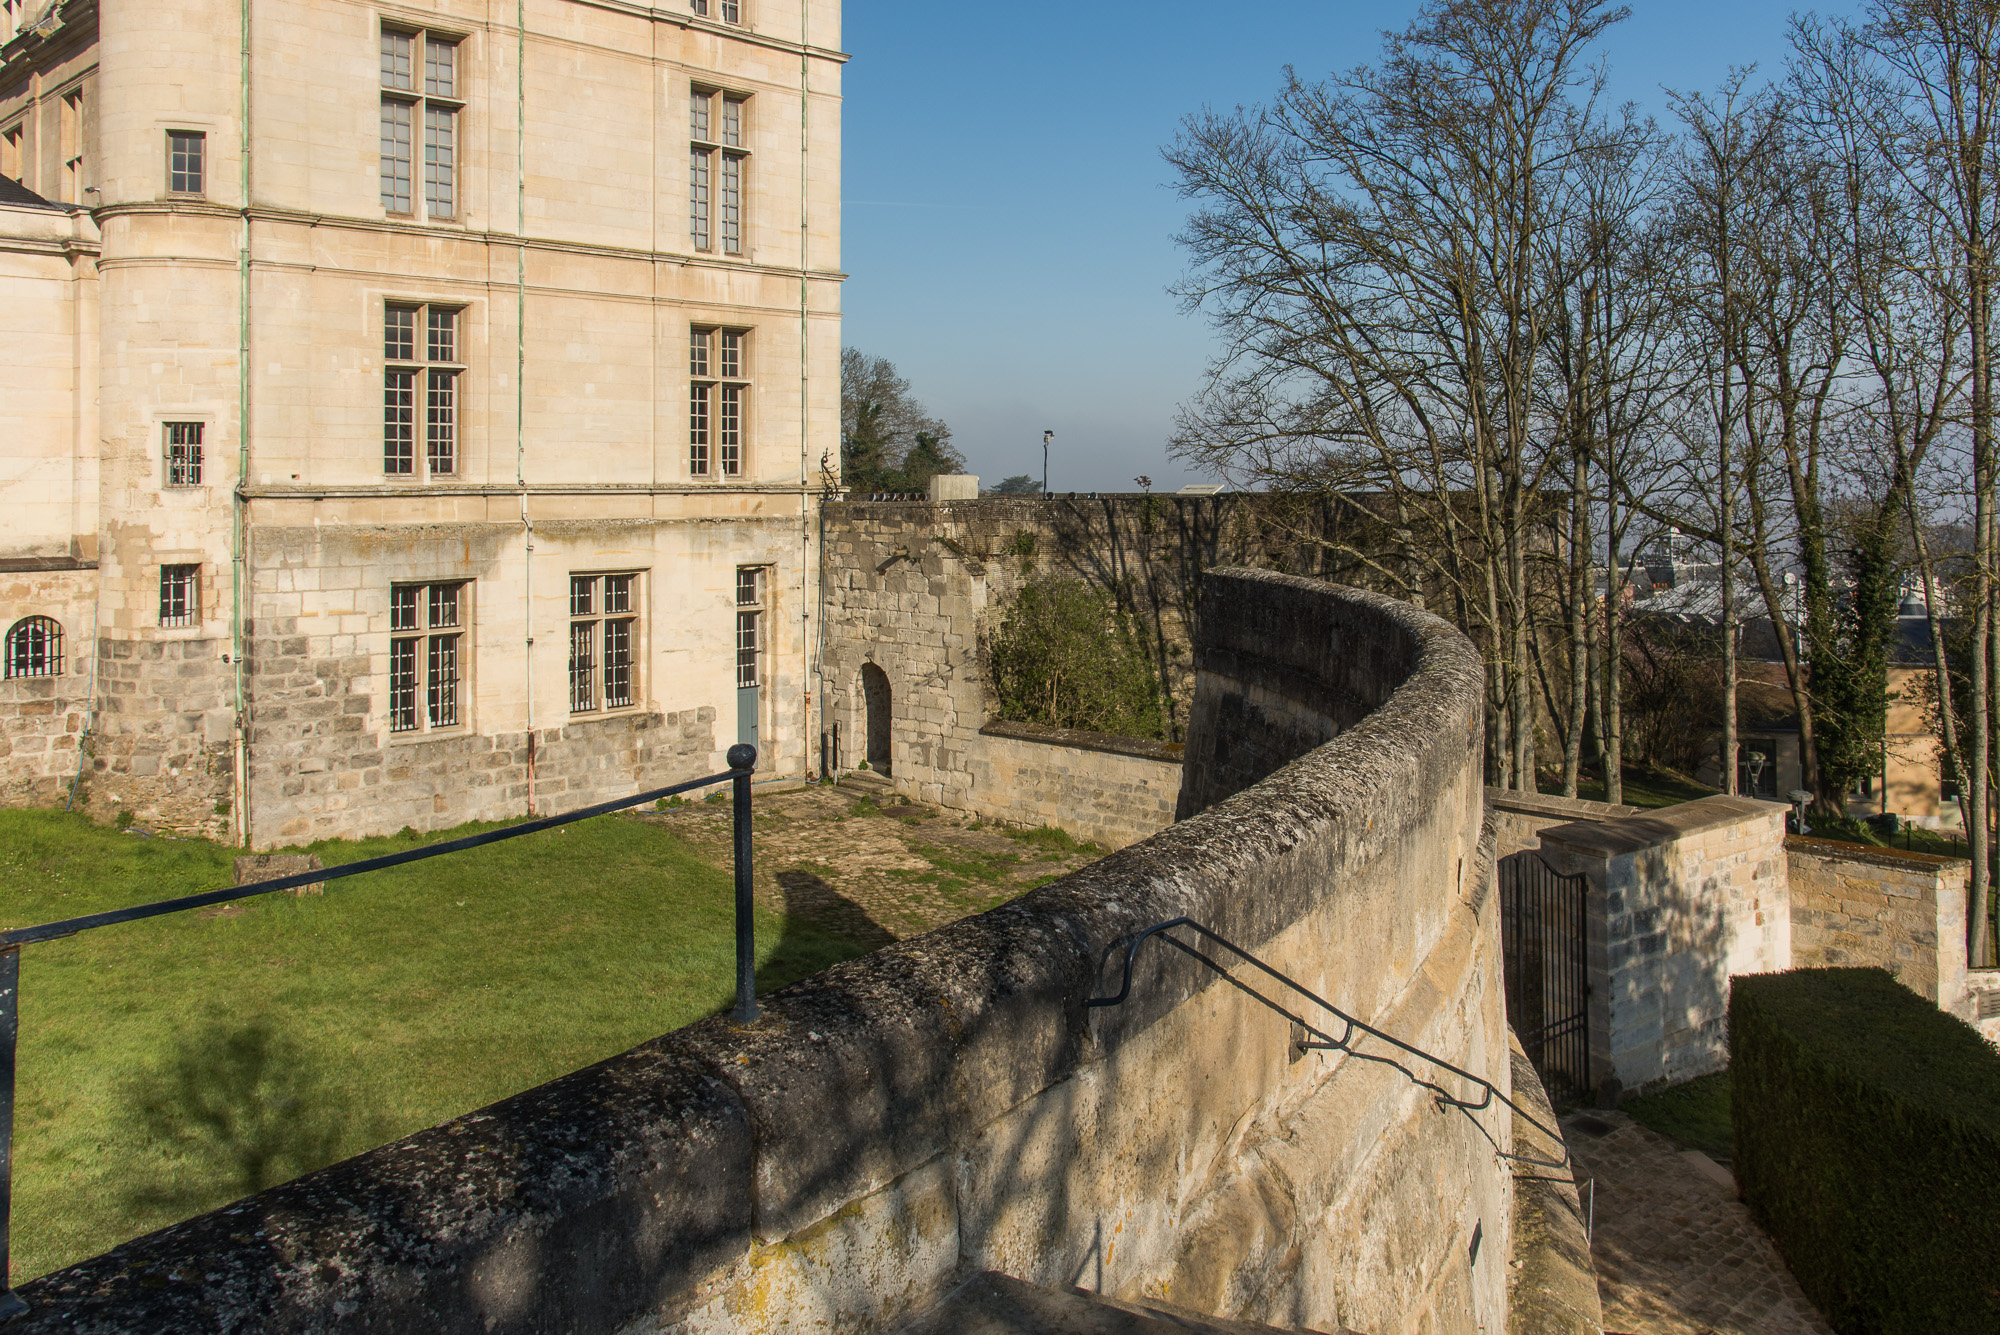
(742, 764)
(10, 1027)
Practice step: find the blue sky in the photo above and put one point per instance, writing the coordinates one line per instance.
(1008, 221)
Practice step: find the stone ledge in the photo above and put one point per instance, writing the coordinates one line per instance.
(1552, 1284)
(1143, 748)
(1899, 858)
(1550, 804)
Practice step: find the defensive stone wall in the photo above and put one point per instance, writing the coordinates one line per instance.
(1682, 899)
(1894, 909)
(949, 1105)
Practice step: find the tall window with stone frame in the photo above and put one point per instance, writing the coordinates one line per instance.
(426, 655)
(603, 641)
(187, 162)
(422, 101)
(718, 398)
(718, 166)
(751, 583)
(422, 374)
(180, 595)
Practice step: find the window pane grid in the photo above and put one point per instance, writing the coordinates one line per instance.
(184, 161)
(443, 330)
(440, 199)
(731, 209)
(443, 606)
(600, 649)
(698, 108)
(732, 354)
(732, 11)
(34, 648)
(698, 198)
(732, 122)
(395, 156)
(698, 430)
(746, 649)
(399, 422)
(582, 666)
(698, 351)
(396, 59)
(440, 68)
(618, 593)
(729, 430)
(441, 423)
(402, 685)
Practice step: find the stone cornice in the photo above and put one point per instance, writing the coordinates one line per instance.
(435, 491)
(715, 29)
(43, 43)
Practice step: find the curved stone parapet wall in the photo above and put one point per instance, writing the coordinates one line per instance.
(948, 1105)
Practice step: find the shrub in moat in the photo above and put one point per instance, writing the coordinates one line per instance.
(1867, 1143)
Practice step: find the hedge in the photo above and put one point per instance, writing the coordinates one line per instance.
(1867, 1143)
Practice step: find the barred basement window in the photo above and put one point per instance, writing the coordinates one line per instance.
(34, 648)
(717, 394)
(603, 641)
(425, 364)
(184, 454)
(180, 595)
(718, 161)
(434, 104)
(425, 642)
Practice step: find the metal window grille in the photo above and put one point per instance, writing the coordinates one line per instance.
(732, 121)
(441, 422)
(443, 606)
(618, 593)
(698, 430)
(746, 648)
(582, 666)
(403, 683)
(184, 454)
(582, 595)
(699, 103)
(180, 595)
(729, 430)
(749, 586)
(399, 422)
(403, 606)
(731, 202)
(34, 648)
(617, 664)
(732, 354)
(440, 159)
(184, 161)
(698, 197)
(443, 681)
(396, 142)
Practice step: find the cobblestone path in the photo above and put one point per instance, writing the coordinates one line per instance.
(1676, 1252)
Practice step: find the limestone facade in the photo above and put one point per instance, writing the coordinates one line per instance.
(567, 359)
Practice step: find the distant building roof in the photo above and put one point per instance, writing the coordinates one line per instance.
(19, 196)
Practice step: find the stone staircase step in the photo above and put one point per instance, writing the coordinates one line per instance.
(865, 778)
(997, 1304)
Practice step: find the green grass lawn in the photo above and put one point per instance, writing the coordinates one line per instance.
(1645, 787)
(170, 1066)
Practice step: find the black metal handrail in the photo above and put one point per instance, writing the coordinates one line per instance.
(1327, 1042)
(742, 765)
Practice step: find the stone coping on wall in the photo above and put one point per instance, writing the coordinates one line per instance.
(636, 1188)
(1551, 804)
(1143, 747)
(1904, 859)
(1629, 834)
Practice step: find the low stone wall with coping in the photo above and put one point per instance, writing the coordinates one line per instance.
(1108, 790)
(948, 1105)
(1903, 911)
(1519, 818)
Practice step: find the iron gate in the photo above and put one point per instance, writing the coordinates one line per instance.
(1544, 940)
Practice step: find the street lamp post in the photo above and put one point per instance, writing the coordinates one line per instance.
(1047, 436)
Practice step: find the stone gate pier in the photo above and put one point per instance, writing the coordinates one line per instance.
(949, 1106)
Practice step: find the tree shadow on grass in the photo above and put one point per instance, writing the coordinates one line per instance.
(822, 927)
(236, 1107)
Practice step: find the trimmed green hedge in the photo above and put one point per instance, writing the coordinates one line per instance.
(1867, 1130)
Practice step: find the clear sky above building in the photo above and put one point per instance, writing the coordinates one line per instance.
(1009, 222)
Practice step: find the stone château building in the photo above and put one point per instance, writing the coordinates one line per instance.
(415, 412)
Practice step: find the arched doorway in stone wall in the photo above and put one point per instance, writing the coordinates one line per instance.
(875, 699)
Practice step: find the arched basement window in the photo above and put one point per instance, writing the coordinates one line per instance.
(34, 648)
